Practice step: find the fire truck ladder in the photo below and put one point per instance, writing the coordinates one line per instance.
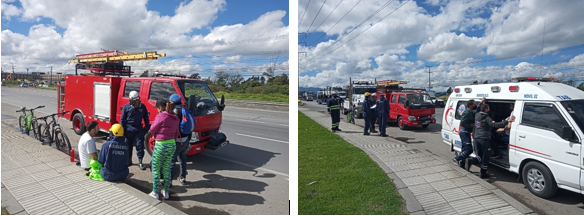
(111, 62)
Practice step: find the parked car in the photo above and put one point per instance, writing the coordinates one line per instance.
(24, 85)
(3, 84)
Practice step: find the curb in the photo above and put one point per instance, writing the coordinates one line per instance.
(146, 198)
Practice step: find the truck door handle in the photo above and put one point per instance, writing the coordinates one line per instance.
(521, 136)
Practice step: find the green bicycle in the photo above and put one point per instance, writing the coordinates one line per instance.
(27, 122)
(350, 115)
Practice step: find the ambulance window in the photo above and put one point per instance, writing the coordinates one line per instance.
(545, 116)
(131, 86)
(161, 90)
(460, 108)
(393, 98)
(402, 99)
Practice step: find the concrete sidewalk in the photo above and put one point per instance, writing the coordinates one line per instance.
(38, 179)
(428, 184)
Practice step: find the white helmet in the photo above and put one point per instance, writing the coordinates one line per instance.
(134, 95)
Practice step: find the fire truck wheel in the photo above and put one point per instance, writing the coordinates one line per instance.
(78, 124)
(539, 180)
(401, 124)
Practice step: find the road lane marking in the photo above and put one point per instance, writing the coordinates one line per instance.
(260, 138)
(248, 165)
(247, 120)
(284, 125)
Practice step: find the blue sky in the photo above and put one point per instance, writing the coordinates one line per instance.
(442, 33)
(211, 20)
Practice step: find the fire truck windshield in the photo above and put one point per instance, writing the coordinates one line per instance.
(206, 101)
(363, 90)
(419, 98)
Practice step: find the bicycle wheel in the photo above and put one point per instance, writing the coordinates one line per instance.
(45, 134)
(62, 141)
(22, 126)
(35, 129)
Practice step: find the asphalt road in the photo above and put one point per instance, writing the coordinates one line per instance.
(429, 139)
(249, 176)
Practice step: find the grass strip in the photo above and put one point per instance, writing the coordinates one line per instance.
(254, 97)
(338, 178)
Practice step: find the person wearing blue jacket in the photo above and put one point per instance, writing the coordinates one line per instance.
(382, 113)
(367, 113)
(114, 156)
(133, 113)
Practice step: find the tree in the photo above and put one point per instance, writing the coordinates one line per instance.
(280, 80)
(195, 76)
(449, 91)
(269, 73)
(486, 82)
(144, 74)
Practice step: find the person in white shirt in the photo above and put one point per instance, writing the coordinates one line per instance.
(86, 145)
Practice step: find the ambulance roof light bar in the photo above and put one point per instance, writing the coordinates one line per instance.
(539, 79)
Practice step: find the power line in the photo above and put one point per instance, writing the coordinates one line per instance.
(326, 18)
(300, 22)
(308, 30)
(336, 23)
(315, 57)
(356, 27)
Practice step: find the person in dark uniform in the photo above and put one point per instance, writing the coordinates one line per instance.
(482, 137)
(334, 109)
(373, 116)
(367, 104)
(114, 155)
(382, 113)
(132, 115)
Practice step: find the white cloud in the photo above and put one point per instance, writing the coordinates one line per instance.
(450, 47)
(232, 59)
(510, 28)
(127, 25)
(9, 11)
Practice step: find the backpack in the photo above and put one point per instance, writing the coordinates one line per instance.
(187, 123)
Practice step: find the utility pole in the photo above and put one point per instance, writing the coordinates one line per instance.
(429, 79)
(12, 77)
(51, 73)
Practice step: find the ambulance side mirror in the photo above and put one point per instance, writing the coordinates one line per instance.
(567, 133)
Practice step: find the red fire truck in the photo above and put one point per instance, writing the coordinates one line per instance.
(408, 107)
(100, 95)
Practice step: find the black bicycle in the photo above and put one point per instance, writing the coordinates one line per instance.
(51, 132)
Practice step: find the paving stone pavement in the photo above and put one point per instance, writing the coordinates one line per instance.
(43, 181)
(429, 184)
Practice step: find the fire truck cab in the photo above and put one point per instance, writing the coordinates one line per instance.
(544, 142)
(408, 107)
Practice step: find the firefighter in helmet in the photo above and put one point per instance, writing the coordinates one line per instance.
(367, 104)
(114, 155)
(334, 109)
(133, 113)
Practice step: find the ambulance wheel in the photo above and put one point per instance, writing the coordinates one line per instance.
(539, 180)
(78, 124)
(425, 126)
(401, 124)
(150, 145)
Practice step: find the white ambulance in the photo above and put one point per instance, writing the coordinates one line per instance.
(545, 140)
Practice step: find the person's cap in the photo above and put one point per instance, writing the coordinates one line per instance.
(175, 98)
(161, 102)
